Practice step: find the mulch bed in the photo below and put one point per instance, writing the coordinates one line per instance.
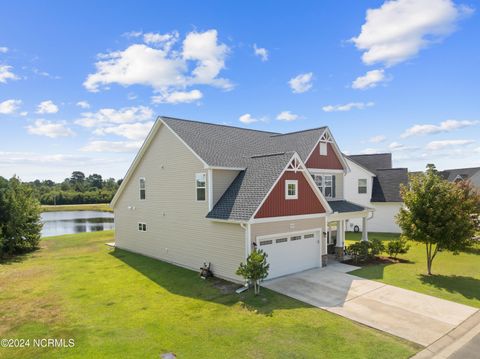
(375, 261)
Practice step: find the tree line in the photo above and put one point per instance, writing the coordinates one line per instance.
(76, 189)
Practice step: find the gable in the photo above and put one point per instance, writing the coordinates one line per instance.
(276, 205)
(330, 161)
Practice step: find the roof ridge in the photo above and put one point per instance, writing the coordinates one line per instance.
(371, 154)
(271, 154)
(390, 169)
(460, 169)
(220, 125)
(292, 133)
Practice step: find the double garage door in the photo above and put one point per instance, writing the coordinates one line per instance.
(291, 253)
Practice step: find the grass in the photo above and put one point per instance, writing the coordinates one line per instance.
(103, 207)
(117, 304)
(455, 277)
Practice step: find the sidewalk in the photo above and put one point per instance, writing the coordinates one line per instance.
(462, 342)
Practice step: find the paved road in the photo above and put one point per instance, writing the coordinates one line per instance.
(470, 350)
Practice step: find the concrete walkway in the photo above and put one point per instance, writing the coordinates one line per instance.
(417, 317)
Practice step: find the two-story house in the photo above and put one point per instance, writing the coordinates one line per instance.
(199, 192)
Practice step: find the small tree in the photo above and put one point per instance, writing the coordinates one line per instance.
(256, 269)
(437, 213)
(397, 246)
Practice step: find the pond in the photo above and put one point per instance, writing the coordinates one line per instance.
(70, 222)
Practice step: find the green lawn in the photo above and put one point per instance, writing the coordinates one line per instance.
(456, 277)
(117, 304)
(104, 207)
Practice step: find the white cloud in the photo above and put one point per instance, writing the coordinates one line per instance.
(50, 129)
(301, 83)
(47, 107)
(370, 151)
(83, 104)
(112, 146)
(3, 50)
(348, 106)
(109, 116)
(370, 79)
(377, 139)
(247, 119)
(131, 131)
(395, 146)
(164, 40)
(399, 29)
(164, 69)
(260, 52)
(438, 145)
(178, 97)
(9, 107)
(7, 74)
(445, 126)
(287, 116)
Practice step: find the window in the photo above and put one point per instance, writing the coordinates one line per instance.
(295, 238)
(323, 148)
(362, 185)
(143, 191)
(266, 243)
(142, 227)
(308, 236)
(281, 240)
(200, 183)
(291, 189)
(326, 184)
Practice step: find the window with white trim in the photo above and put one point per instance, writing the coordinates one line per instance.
(362, 185)
(295, 238)
(281, 240)
(266, 243)
(201, 186)
(291, 189)
(143, 188)
(323, 148)
(325, 184)
(142, 227)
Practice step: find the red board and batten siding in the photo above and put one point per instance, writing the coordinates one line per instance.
(277, 206)
(330, 161)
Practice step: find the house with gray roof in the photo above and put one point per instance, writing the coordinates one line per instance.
(471, 174)
(205, 193)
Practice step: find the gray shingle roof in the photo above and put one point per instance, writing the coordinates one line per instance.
(464, 173)
(248, 189)
(374, 161)
(342, 206)
(386, 184)
(227, 146)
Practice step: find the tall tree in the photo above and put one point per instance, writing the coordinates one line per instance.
(95, 181)
(437, 213)
(77, 179)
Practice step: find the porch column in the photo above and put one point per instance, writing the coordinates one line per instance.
(364, 229)
(339, 247)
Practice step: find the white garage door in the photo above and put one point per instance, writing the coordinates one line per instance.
(291, 253)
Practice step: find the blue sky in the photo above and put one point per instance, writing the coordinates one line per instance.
(81, 82)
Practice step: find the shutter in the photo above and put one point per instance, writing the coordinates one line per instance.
(334, 186)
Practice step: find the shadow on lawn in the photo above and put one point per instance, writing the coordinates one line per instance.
(467, 286)
(187, 283)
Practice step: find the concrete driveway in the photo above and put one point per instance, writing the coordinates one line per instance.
(410, 315)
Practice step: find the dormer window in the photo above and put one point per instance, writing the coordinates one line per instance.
(323, 148)
(291, 189)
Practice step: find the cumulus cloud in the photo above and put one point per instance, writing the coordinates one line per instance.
(131, 131)
(109, 116)
(178, 97)
(377, 139)
(83, 104)
(50, 129)
(438, 145)
(9, 107)
(347, 107)
(287, 116)
(47, 107)
(301, 83)
(112, 146)
(370, 79)
(445, 126)
(260, 52)
(3, 50)
(396, 146)
(248, 119)
(6, 74)
(198, 61)
(399, 29)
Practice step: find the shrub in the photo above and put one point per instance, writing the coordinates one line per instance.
(359, 250)
(376, 247)
(398, 246)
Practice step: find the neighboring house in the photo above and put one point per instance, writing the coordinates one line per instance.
(372, 182)
(463, 174)
(199, 192)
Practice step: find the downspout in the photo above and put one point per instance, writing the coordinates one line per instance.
(248, 245)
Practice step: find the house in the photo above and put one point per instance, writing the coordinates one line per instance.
(462, 174)
(374, 183)
(205, 193)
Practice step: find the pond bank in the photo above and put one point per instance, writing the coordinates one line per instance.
(101, 207)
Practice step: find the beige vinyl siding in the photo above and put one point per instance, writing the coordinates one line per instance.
(221, 181)
(268, 228)
(177, 230)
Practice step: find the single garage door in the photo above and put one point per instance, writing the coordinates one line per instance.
(291, 253)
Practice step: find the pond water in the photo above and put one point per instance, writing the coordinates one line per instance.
(70, 222)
